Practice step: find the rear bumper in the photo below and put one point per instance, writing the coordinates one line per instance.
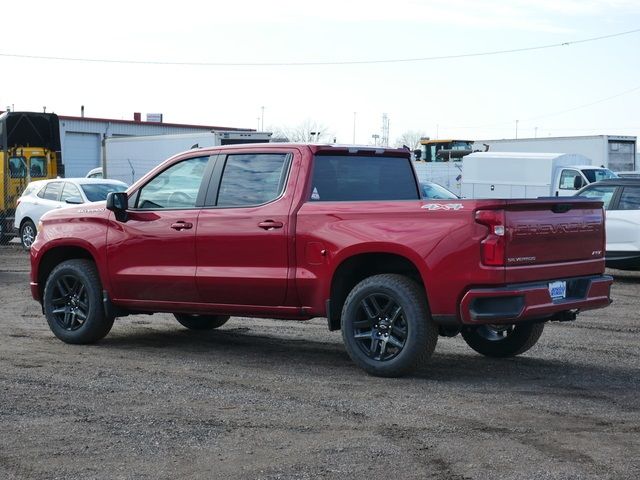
(532, 301)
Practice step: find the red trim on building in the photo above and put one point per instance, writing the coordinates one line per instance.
(155, 124)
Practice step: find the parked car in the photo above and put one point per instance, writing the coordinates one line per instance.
(43, 195)
(94, 173)
(621, 197)
(433, 190)
(296, 231)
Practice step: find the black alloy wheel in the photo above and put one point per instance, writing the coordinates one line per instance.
(69, 302)
(503, 340)
(72, 302)
(386, 325)
(380, 329)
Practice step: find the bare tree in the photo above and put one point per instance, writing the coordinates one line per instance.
(410, 138)
(307, 131)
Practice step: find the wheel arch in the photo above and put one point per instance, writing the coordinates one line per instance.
(54, 256)
(24, 220)
(356, 268)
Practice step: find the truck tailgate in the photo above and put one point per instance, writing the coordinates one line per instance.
(552, 232)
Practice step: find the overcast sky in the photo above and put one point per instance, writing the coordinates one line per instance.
(554, 91)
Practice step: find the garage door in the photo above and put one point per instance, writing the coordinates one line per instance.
(80, 153)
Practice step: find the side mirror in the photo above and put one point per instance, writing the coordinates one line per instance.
(578, 183)
(74, 200)
(118, 203)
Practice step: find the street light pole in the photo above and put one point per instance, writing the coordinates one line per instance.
(262, 124)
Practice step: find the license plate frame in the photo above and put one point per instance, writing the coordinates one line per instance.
(558, 290)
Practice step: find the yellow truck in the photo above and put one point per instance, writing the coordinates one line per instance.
(29, 150)
(439, 150)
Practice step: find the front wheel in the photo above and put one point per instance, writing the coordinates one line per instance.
(27, 234)
(201, 322)
(73, 303)
(503, 340)
(386, 326)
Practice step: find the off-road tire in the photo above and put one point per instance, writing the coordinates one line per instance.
(403, 315)
(201, 322)
(73, 291)
(490, 341)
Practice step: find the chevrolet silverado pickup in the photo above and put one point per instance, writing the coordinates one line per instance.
(297, 231)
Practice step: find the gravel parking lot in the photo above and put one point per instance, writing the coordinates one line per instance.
(281, 400)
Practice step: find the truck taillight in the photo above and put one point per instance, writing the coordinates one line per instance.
(493, 246)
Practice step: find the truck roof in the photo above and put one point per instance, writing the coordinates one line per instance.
(319, 148)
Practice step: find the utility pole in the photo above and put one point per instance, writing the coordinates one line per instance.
(262, 124)
(517, 129)
(385, 130)
(354, 127)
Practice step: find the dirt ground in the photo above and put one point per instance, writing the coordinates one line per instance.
(281, 400)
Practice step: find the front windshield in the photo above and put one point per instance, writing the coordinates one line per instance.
(597, 174)
(96, 192)
(38, 167)
(433, 190)
(17, 167)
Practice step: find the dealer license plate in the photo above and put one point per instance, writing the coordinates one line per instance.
(558, 289)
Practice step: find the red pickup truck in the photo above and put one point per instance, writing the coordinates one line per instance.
(296, 231)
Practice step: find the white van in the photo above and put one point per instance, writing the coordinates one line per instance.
(527, 175)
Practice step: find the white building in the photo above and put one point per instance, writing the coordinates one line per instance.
(81, 138)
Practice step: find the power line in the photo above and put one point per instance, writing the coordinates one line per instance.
(301, 64)
(546, 115)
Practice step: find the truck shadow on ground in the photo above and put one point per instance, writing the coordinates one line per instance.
(244, 347)
(624, 276)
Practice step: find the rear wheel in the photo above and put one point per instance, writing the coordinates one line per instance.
(73, 303)
(27, 234)
(386, 326)
(503, 340)
(201, 322)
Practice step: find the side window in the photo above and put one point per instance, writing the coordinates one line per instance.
(630, 199)
(52, 191)
(252, 179)
(602, 193)
(567, 179)
(70, 191)
(352, 178)
(175, 187)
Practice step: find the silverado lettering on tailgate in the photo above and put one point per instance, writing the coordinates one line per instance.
(526, 230)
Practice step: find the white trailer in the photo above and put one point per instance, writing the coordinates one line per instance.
(527, 175)
(615, 152)
(129, 158)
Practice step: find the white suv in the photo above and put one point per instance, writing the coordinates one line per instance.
(621, 197)
(43, 195)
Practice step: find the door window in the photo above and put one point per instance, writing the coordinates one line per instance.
(252, 179)
(51, 191)
(176, 187)
(70, 191)
(602, 193)
(630, 199)
(568, 179)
